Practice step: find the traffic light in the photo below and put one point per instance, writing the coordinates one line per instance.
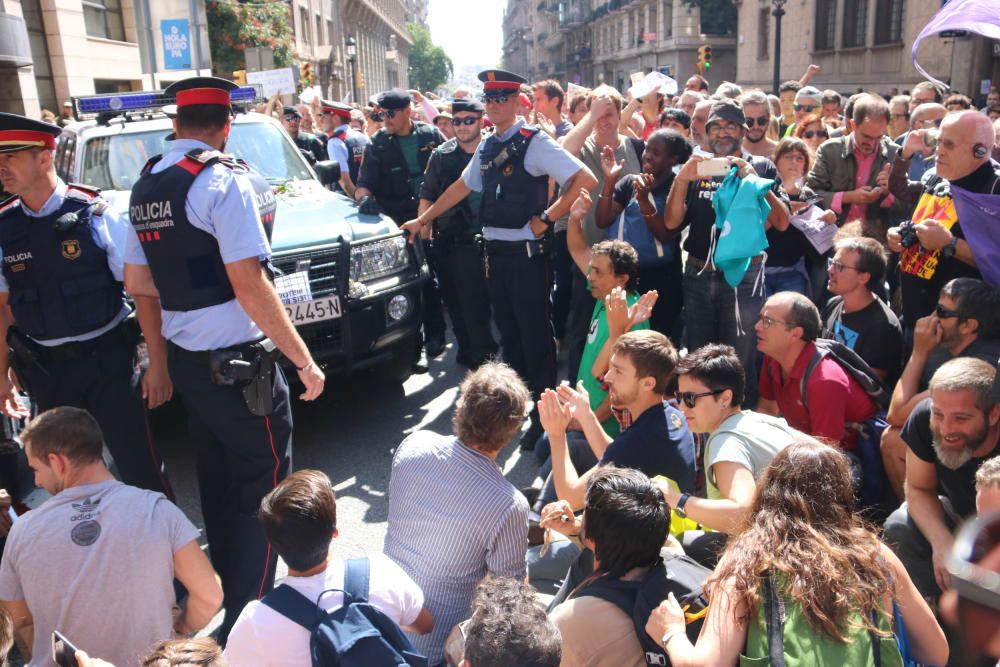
(704, 59)
(240, 77)
(305, 74)
(360, 80)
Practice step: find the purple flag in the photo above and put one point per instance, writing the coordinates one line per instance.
(979, 216)
(979, 16)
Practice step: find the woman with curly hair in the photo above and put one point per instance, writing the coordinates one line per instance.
(828, 568)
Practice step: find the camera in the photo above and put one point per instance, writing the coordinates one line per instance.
(908, 234)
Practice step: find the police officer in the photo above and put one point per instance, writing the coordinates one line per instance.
(510, 170)
(198, 246)
(391, 175)
(68, 341)
(345, 144)
(456, 232)
(306, 141)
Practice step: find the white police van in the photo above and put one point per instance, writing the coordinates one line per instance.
(351, 283)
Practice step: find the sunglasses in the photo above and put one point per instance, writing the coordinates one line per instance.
(762, 121)
(808, 108)
(468, 120)
(292, 119)
(809, 134)
(377, 116)
(839, 267)
(496, 99)
(689, 398)
(943, 313)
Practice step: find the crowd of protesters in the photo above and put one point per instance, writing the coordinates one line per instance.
(780, 322)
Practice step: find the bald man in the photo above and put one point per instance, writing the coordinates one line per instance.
(939, 252)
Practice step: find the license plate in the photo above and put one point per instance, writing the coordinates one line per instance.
(316, 310)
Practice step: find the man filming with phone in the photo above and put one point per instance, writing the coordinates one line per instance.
(709, 301)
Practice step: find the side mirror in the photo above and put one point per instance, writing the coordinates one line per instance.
(328, 171)
(310, 158)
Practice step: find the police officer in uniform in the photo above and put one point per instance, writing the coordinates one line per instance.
(510, 170)
(391, 175)
(62, 308)
(456, 237)
(199, 247)
(305, 141)
(345, 144)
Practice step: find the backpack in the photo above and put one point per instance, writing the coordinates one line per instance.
(672, 573)
(789, 641)
(853, 365)
(354, 635)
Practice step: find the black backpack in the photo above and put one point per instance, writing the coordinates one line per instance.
(853, 365)
(354, 635)
(672, 573)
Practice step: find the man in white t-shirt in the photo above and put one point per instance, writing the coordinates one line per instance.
(97, 560)
(299, 518)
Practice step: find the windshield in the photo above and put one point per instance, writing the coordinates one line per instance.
(114, 162)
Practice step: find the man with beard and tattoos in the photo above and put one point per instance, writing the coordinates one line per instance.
(948, 435)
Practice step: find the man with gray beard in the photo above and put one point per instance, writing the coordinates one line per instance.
(948, 436)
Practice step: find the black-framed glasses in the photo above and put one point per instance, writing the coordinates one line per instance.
(689, 398)
(944, 313)
(468, 120)
(768, 322)
(763, 121)
(808, 108)
(839, 267)
(498, 99)
(809, 134)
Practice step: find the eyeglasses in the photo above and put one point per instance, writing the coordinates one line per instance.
(391, 113)
(724, 128)
(377, 116)
(761, 120)
(768, 322)
(809, 134)
(808, 108)
(839, 267)
(292, 119)
(468, 120)
(944, 313)
(927, 122)
(894, 116)
(496, 99)
(689, 398)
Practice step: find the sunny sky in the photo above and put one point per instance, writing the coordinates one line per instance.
(470, 31)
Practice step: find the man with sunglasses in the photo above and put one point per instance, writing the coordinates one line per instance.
(511, 170)
(757, 111)
(948, 436)
(392, 173)
(806, 103)
(455, 233)
(305, 141)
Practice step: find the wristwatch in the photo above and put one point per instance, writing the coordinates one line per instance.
(949, 250)
(681, 502)
(544, 217)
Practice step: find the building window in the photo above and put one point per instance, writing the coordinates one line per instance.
(305, 25)
(330, 32)
(103, 18)
(889, 22)
(42, 66)
(319, 31)
(855, 23)
(763, 34)
(826, 24)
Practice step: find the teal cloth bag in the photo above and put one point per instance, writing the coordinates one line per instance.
(741, 208)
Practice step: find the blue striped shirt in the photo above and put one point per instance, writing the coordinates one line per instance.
(453, 519)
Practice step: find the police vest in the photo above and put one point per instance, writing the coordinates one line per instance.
(457, 223)
(511, 196)
(185, 261)
(355, 143)
(392, 190)
(267, 202)
(59, 279)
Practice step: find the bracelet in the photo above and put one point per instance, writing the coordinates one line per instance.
(649, 215)
(311, 363)
(667, 637)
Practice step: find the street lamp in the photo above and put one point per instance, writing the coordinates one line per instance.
(779, 11)
(352, 55)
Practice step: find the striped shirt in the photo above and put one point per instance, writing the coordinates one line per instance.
(453, 519)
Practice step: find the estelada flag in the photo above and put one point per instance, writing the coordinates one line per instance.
(979, 215)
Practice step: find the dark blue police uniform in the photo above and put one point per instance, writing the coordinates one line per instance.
(71, 345)
(193, 211)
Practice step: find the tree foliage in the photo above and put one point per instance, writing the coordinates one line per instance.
(430, 66)
(234, 26)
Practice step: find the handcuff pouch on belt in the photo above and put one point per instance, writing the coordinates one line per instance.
(252, 369)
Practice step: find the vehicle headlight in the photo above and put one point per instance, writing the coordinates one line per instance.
(376, 259)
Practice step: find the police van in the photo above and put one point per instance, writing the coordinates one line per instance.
(351, 284)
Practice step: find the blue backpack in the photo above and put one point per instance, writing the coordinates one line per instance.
(353, 635)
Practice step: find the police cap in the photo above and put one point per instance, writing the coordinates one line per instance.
(466, 104)
(393, 99)
(201, 90)
(496, 81)
(18, 133)
(336, 108)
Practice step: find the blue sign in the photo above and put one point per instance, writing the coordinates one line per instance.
(176, 44)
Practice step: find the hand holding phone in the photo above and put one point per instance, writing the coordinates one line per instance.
(63, 651)
(715, 166)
